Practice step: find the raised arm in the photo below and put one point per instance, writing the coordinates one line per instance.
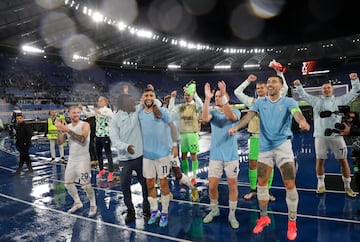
(354, 81)
(229, 114)
(304, 95)
(355, 84)
(280, 70)
(285, 88)
(239, 91)
(346, 98)
(198, 102)
(206, 116)
(172, 107)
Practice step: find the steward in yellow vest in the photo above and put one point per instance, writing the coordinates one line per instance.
(52, 134)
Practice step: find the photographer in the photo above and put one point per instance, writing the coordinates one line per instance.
(336, 143)
(347, 117)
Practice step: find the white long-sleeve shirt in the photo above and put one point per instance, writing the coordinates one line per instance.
(102, 120)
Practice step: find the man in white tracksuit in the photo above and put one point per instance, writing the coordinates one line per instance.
(336, 143)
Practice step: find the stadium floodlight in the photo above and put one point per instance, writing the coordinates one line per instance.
(32, 49)
(174, 42)
(183, 43)
(129, 63)
(121, 26)
(174, 67)
(98, 17)
(144, 34)
(250, 66)
(222, 67)
(132, 30)
(79, 57)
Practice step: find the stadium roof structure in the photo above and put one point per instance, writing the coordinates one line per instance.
(185, 35)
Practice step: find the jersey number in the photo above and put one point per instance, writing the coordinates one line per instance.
(84, 176)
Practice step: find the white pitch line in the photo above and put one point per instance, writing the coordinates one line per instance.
(240, 209)
(94, 220)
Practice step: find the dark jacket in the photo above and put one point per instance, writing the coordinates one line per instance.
(23, 135)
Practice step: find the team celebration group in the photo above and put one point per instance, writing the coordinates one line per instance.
(147, 137)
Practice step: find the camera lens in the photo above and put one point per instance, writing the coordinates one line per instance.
(328, 132)
(339, 126)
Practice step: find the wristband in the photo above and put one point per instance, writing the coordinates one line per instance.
(224, 100)
(174, 144)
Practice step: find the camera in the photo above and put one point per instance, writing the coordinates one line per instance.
(348, 117)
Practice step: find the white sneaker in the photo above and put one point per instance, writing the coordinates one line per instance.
(321, 189)
(213, 213)
(75, 207)
(250, 195)
(233, 222)
(92, 212)
(271, 198)
(350, 193)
